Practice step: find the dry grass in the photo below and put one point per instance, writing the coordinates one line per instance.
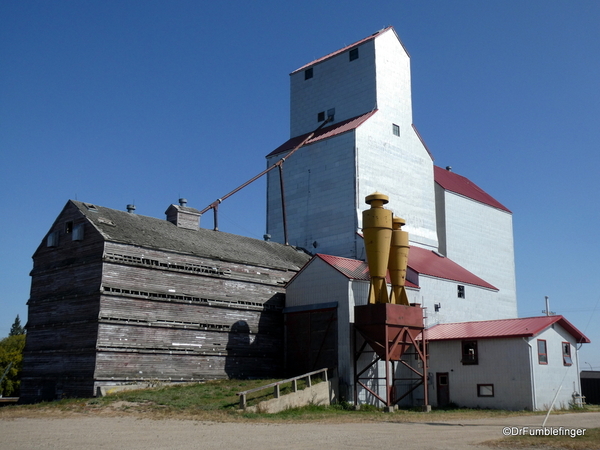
(589, 441)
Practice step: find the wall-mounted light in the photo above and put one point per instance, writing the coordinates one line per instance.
(437, 307)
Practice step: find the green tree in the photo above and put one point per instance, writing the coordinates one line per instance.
(16, 328)
(11, 350)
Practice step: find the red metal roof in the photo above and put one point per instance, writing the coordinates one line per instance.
(337, 52)
(505, 328)
(352, 268)
(458, 184)
(420, 260)
(427, 262)
(324, 133)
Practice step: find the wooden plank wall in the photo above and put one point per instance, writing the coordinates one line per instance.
(311, 340)
(177, 317)
(60, 349)
(110, 313)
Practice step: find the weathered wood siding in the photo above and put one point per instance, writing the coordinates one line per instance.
(311, 340)
(104, 312)
(173, 317)
(59, 355)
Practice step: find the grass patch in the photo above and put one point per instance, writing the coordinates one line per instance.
(218, 401)
(589, 441)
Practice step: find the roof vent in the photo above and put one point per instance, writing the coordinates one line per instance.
(182, 201)
(449, 168)
(130, 209)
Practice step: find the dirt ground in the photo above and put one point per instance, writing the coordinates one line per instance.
(121, 432)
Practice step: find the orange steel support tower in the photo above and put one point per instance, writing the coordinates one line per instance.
(388, 324)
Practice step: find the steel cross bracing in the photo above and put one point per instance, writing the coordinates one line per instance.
(405, 339)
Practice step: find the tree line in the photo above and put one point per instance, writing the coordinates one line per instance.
(11, 360)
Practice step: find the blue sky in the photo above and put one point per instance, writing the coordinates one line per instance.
(117, 102)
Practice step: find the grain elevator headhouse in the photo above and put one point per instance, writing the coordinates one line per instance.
(365, 91)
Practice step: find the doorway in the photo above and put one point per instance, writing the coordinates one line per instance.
(443, 389)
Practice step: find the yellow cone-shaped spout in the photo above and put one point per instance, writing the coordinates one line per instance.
(398, 262)
(377, 232)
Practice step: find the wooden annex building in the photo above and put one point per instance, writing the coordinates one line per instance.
(120, 298)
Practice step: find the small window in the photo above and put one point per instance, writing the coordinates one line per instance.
(485, 390)
(78, 232)
(308, 74)
(461, 291)
(52, 240)
(542, 352)
(566, 349)
(396, 129)
(69, 227)
(469, 353)
(353, 54)
(321, 116)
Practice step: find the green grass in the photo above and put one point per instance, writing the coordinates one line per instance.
(217, 400)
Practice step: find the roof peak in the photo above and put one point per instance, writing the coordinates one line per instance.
(343, 49)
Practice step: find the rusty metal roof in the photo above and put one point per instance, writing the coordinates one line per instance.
(324, 133)
(504, 328)
(428, 262)
(458, 184)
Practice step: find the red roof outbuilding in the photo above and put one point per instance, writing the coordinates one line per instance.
(504, 328)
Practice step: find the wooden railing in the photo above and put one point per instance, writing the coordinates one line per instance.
(277, 384)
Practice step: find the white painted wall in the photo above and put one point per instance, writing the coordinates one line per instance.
(554, 375)
(502, 362)
(348, 86)
(480, 238)
(320, 182)
(479, 303)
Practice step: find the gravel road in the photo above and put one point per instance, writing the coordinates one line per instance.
(85, 432)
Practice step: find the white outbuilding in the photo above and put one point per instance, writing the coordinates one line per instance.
(529, 363)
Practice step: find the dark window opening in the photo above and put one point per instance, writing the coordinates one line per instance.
(461, 291)
(396, 129)
(567, 361)
(52, 240)
(469, 353)
(542, 352)
(78, 232)
(443, 379)
(308, 74)
(485, 390)
(321, 116)
(353, 54)
(69, 227)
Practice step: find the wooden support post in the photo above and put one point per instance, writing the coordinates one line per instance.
(276, 391)
(295, 385)
(308, 382)
(243, 401)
